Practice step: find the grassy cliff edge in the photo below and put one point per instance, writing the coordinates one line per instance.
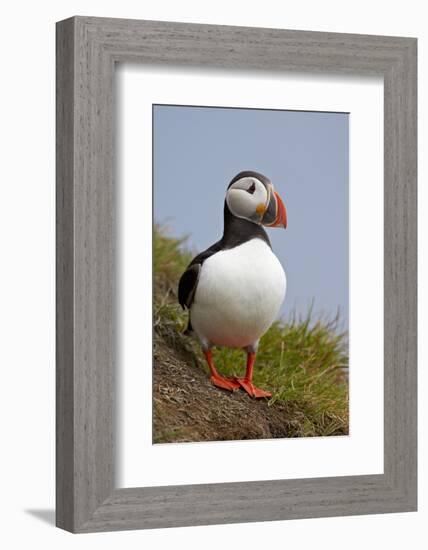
(304, 363)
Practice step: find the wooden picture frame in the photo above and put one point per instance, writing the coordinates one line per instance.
(87, 50)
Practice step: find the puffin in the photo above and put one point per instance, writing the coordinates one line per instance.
(234, 289)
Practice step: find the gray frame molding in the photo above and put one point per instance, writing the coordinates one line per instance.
(87, 50)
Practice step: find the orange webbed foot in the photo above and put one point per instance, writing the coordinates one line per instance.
(251, 389)
(225, 383)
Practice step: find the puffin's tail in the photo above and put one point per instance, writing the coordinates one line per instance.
(189, 328)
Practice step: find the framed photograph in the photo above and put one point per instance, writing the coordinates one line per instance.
(199, 146)
(236, 274)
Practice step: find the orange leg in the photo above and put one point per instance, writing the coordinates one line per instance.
(217, 379)
(246, 383)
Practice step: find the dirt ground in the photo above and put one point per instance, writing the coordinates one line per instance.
(187, 407)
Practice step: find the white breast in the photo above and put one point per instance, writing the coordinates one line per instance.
(239, 294)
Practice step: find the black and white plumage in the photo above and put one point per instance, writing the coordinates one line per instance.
(235, 288)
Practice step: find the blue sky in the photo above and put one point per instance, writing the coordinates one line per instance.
(197, 151)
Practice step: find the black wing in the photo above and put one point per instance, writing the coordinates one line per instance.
(187, 285)
(189, 280)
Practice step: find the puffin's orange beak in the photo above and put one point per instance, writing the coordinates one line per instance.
(281, 212)
(276, 213)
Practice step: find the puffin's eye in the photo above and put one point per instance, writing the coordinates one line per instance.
(251, 189)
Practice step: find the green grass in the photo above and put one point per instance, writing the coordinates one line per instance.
(304, 362)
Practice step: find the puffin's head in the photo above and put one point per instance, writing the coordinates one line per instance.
(251, 196)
